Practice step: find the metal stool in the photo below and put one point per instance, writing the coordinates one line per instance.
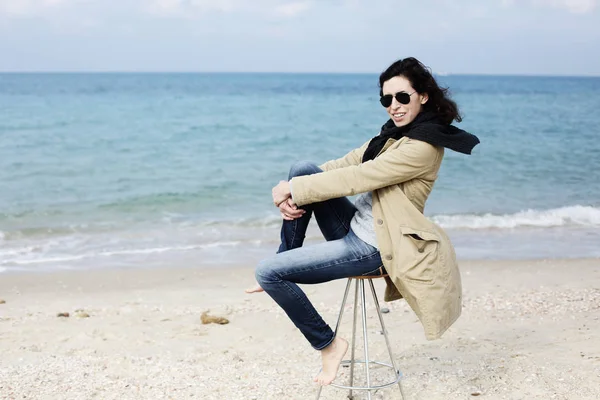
(360, 286)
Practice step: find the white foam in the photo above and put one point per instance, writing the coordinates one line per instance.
(267, 221)
(17, 251)
(574, 216)
(27, 260)
(584, 216)
(46, 260)
(143, 251)
(250, 233)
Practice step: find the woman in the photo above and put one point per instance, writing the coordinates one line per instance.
(385, 230)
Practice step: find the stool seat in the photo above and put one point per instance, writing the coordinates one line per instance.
(369, 276)
(360, 291)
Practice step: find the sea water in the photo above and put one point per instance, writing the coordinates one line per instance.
(134, 170)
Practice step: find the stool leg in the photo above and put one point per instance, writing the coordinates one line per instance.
(385, 335)
(353, 337)
(337, 325)
(339, 320)
(366, 340)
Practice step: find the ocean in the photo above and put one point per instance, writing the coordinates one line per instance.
(137, 170)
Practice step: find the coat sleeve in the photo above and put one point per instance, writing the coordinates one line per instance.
(412, 159)
(352, 158)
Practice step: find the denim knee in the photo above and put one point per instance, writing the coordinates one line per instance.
(264, 273)
(301, 168)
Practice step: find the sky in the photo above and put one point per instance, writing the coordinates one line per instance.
(524, 37)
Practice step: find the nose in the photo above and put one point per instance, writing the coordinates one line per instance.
(395, 104)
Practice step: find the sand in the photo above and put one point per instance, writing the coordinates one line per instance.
(529, 330)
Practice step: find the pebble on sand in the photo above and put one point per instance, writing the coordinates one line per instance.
(2, 301)
(63, 314)
(82, 314)
(210, 319)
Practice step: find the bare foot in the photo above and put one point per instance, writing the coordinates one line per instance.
(332, 357)
(255, 289)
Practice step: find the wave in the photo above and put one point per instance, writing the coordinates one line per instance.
(116, 252)
(262, 226)
(30, 249)
(570, 216)
(573, 216)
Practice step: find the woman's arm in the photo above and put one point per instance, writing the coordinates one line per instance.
(352, 158)
(411, 159)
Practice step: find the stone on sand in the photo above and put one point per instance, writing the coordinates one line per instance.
(210, 319)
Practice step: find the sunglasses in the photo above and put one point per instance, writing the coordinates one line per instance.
(401, 97)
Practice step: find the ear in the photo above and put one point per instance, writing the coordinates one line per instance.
(424, 98)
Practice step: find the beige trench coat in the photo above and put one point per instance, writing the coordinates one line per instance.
(416, 253)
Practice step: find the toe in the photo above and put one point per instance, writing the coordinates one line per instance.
(255, 289)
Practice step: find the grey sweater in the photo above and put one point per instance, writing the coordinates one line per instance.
(362, 223)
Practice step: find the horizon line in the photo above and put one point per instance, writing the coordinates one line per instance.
(99, 72)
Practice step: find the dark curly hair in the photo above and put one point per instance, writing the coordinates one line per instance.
(423, 82)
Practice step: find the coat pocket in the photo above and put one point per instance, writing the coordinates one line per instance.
(420, 251)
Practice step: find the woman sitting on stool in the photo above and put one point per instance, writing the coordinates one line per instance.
(394, 174)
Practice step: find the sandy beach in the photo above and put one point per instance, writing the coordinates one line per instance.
(529, 330)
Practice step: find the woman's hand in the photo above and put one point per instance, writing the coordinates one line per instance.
(281, 193)
(290, 211)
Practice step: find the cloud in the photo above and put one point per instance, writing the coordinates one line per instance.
(14, 7)
(191, 8)
(26, 7)
(184, 8)
(572, 6)
(293, 9)
(165, 6)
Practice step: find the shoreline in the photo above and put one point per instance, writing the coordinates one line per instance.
(221, 260)
(530, 329)
(472, 245)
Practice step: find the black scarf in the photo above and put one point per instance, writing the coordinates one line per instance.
(427, 128)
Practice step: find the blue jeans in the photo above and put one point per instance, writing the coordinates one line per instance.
(343, 255)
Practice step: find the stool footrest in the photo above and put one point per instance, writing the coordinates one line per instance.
(359, 292)
(374, 387)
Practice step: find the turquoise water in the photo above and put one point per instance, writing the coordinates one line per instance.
(136, 169)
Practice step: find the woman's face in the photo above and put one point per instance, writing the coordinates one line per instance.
(403, 114)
